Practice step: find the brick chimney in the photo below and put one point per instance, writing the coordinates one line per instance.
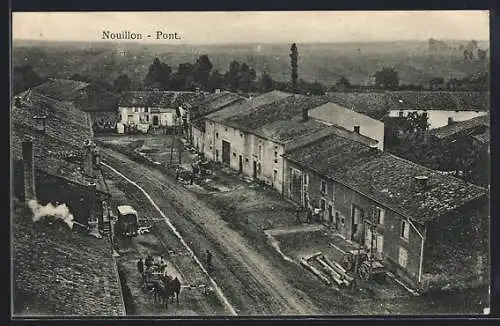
(356, 129)
(88, 160)
(28, 169)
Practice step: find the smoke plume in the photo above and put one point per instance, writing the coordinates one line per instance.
(59, 212)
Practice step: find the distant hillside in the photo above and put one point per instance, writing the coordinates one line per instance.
(325, 63)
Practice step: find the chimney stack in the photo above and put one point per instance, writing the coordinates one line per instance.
(421, 181)
(305, 114)
(356, 129)
(88, 159)
(29, 169)
(40, 121)
(450, 121)
(93, 221)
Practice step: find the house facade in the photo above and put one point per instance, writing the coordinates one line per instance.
(337, 115)
(197, 112)
(380, 202)
(251, 137)
(142, 110)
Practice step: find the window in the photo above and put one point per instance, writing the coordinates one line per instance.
(234, 154)
(260, 152)
(147, 118)
(379, 215)
(241, 135)
(322, 204)
(405, 230)
(403, 257)
(246, 160)
(225, 129)
(323, 187)
(306, 178)
(339, 218)
(275, 157)
(217, 135)
(275, 175)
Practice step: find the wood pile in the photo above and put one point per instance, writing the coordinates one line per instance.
(326, 270)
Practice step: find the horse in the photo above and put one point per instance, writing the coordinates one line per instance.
(167, 290)
(174, 288)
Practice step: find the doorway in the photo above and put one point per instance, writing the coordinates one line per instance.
(356, 224)
(226, 152)
(155, 120)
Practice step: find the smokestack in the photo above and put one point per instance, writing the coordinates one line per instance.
(421, 181)
(450, 121)
(29, 169)
(356, 129)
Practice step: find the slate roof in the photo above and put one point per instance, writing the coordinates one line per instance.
(161, 99)
(471, 125)
(377, 104)
(62, 89)
(62, 272)
(385, 178)
(58, 150)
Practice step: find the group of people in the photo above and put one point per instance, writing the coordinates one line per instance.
(312, 214)
(151, 264)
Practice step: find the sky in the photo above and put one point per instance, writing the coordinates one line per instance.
(255, 27)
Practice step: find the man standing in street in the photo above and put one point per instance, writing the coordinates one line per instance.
(140, 266)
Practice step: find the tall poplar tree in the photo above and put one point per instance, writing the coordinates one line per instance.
(294, 55)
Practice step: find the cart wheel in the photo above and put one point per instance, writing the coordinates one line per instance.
(364, 271)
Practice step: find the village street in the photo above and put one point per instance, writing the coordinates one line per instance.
(253, 277)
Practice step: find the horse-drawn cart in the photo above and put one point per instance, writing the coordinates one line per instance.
(151, 277)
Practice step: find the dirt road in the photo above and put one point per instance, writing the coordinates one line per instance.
(246, 277)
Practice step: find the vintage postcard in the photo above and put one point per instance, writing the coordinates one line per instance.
(309, 163)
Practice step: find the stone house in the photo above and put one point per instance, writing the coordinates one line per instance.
(197, 112)
(154, 109)
(396, 208)
(251, 137)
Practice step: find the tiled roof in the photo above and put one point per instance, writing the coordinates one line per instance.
(376, 105)
(214, 102)
(59, 149)
(386, 178)
(62, 272)
(160, 99)
(247, 106)
(466, 126)
(61, 89)
(484, 138)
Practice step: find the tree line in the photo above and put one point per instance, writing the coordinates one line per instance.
(240, 77)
